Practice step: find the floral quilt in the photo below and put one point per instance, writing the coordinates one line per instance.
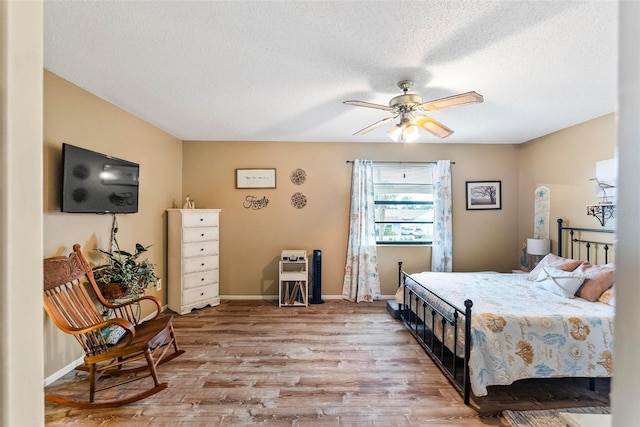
(521, 331)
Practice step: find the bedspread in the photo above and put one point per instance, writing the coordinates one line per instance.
(520, 331)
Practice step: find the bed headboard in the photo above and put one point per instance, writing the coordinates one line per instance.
(581, 245)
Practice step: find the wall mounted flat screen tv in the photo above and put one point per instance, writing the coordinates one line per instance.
(97, 183)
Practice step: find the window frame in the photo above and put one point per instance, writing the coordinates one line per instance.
(403, 203)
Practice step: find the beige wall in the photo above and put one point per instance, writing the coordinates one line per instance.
(79, 118)
(251, 240)
(564, 161)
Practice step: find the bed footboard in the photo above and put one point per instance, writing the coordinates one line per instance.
(431, 319)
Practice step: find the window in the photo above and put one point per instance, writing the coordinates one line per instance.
(403, 195)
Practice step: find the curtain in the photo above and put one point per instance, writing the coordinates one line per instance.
(361, 280)
(442, 249)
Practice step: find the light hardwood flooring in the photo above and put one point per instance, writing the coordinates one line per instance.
(332, 364)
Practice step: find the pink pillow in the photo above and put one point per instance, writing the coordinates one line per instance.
(599, 278)
(551, 260)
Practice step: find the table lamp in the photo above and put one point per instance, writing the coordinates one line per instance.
(538, 248)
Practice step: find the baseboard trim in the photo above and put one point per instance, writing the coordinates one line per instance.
(266, 297)
(62, 372)
(249, 297)
(275, 297)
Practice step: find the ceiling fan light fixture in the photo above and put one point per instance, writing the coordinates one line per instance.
(410, 133)
(408, 106)
(395, 133)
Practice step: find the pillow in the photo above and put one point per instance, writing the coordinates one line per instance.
(113, 333)
(608, 297)
(599, 278)
(552, 260)
(560, 282)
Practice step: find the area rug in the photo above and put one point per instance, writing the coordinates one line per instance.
(549, 417)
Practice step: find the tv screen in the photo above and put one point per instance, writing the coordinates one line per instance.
(96, 183)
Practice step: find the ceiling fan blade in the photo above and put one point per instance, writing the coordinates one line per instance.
(373, 126)
(434, 127)
(451, 101)
(369, 105)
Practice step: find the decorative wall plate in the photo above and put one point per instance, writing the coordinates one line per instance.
(298, 200)
(298, 176)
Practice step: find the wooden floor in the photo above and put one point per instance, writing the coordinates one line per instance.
(332, 364)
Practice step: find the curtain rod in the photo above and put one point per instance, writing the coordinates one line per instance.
(401, 162)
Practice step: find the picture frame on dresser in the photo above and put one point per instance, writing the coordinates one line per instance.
(256, 178)
(193, 259)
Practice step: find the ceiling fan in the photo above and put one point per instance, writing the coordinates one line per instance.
(410, 108)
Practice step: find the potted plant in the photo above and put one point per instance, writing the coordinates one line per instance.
(125, 275)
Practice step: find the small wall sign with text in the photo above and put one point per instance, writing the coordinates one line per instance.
(255, 178)
(253, 202)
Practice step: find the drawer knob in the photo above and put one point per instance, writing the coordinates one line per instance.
(201, 249)
(202, 280)
(202, 264)
(201, 293)
(201, 219)
(202, 235)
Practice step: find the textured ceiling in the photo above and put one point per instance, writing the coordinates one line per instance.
(279, 70)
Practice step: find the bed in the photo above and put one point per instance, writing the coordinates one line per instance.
(485, 328)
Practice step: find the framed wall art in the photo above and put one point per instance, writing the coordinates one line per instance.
(255, 178)
(484, 195)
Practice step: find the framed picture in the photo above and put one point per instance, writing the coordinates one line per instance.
(255, 178)
(483, 195)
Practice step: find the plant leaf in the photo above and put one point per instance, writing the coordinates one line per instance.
(123, 253)
(140, 249)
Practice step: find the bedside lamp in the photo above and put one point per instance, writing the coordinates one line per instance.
(538, 248)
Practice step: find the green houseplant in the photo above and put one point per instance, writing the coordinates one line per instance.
(125, 275)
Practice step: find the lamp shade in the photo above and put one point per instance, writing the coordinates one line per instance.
(538, 246)
(410, 133)
(395, 133)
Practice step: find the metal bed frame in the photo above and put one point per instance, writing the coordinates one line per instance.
(455, 368)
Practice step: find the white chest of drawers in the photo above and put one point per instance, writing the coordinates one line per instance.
(193, 259)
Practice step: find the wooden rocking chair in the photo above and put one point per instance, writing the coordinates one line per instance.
(134, 357)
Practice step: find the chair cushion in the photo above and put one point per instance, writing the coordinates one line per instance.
(113, 333)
